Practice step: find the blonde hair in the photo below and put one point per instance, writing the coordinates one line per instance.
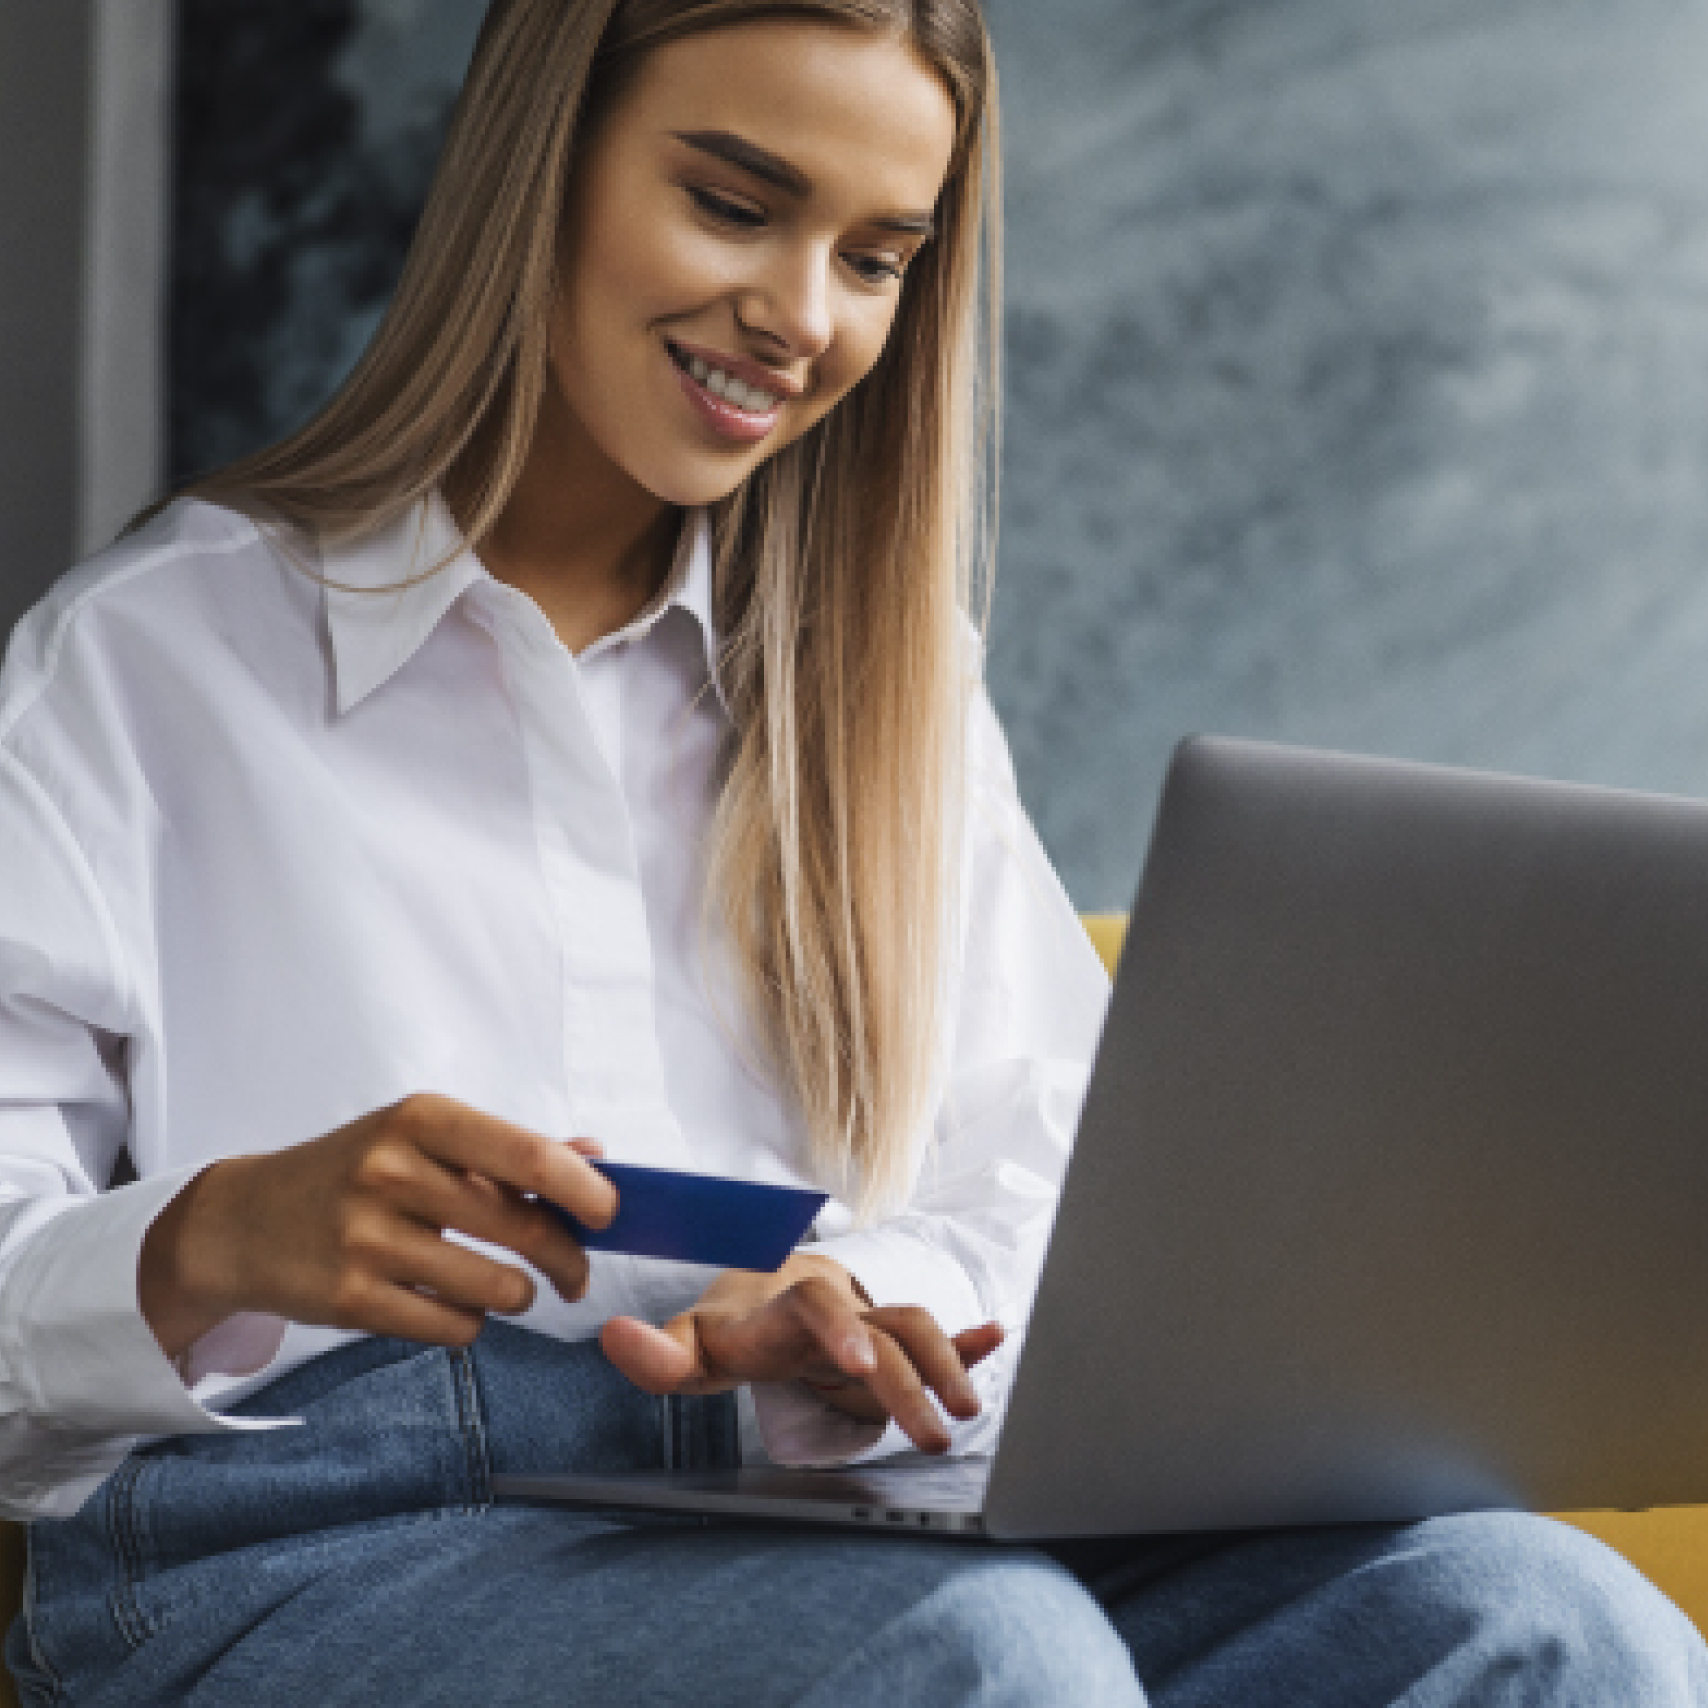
(846, 566)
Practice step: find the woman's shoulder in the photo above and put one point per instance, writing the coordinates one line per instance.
(154, 593)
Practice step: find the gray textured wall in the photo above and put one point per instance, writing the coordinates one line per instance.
(125, 284)
(44, 67)
(84, 119)
(1358, 366)
(307, 136)
(1360, 392)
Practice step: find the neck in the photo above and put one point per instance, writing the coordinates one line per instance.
(587, 544)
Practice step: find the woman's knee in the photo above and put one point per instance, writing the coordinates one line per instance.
(1541, 1601)
(1013, 1629)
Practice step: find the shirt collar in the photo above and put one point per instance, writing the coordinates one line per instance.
(695, 595)
(387, 593)
(687, 587)
(387, 596)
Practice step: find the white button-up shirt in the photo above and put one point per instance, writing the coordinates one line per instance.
(274, 855)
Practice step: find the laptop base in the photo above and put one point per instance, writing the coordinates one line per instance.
(915, 1496)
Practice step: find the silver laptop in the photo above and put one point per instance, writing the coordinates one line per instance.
(1390, 1196)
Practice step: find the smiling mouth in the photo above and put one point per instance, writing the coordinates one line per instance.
(734, 393)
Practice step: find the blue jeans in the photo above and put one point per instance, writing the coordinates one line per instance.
(359, 1562)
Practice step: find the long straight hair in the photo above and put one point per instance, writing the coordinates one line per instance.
(846, 567)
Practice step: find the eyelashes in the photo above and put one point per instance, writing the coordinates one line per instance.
(872, 269)
(726, 209)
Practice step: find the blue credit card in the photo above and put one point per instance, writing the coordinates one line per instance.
(699, 1218)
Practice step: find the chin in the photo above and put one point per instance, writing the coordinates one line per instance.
(695, 488)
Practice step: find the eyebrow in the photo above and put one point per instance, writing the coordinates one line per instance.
(772, 169)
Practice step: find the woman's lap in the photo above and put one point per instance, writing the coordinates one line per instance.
(359, 1563)
(1479, 1608)
(537, 1608)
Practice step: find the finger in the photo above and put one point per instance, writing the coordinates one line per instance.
(896, 1385)
(511, 1155)
(656, 1360)
(932, 1354)
(420, 1258)
(834, 1326)
(853, 1399)
(813, 1324)
(377, 1306)
(810, 1328)
(482, 1208)
(976, 1344)
(407, 1315)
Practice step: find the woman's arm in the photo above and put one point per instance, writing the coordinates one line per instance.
(80, 1374)
(100, 1290)
(348, 1229)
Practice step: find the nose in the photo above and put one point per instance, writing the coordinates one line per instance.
(789, 304)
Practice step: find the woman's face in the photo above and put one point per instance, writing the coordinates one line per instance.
(735, 242)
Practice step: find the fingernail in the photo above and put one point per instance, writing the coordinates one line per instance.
(928, 1427)
(857, 1350)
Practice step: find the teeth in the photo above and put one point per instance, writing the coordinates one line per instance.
(753, 399)
(730, 389)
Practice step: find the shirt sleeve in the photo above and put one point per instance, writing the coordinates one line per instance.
(1028, 1010)
(81, 1374)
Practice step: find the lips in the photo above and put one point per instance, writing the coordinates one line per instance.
(739, 420)
(724, 384)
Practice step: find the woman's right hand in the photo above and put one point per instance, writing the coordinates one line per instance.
(348, 1229)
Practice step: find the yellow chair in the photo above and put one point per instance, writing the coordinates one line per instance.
(1669, 1545)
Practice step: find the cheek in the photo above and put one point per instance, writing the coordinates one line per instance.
(861, 342)
(647, 270)
(855, 358)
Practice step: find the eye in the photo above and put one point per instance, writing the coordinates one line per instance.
(878, 269)
(874, 268)
(726, 210)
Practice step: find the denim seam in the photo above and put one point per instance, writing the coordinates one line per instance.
(473, 1427)
(667, 1409)
(32, 1636)
(134, 1626)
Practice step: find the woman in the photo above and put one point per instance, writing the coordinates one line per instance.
(574, 734)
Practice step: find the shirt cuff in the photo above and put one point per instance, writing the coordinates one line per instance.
(799, 1430)
(73, 1332)
(243, 1345)
(896, 1266)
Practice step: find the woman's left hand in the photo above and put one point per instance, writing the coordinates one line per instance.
(809, 1322)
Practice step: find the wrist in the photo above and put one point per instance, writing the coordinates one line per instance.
(748, 1289)
(173, 1291)
(804, 1263)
